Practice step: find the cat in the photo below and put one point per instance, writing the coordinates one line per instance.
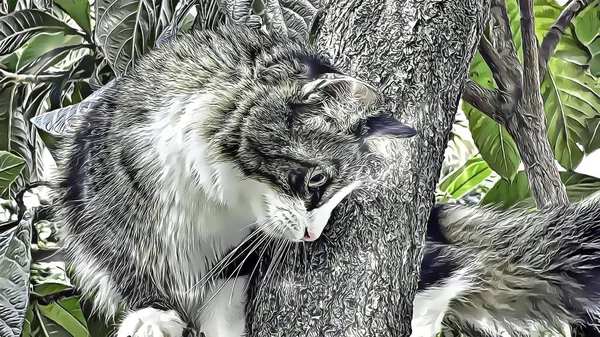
(207, 141)
(512, 270)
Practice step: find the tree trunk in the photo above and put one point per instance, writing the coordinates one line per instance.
(360, 278)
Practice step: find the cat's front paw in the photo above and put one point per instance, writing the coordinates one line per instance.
(150, 322)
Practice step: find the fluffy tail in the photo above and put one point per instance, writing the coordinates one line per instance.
(511, 270)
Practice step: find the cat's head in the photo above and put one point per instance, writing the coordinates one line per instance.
(306, 140)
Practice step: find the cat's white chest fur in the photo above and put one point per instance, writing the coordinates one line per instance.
(206, 209)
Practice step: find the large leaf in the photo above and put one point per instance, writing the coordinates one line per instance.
(9, 62)
(79, 10)
(508, 194)
(464, 179)
(10, 168)
(127, 29)
(8, 6)
(571, 100)
(15, 258)
(301, 17)
(18, 27)
(587, 30)
(495, 145)
(20, 132)
(174, 21)
(209, 15)
(67, 313)
(36, 52)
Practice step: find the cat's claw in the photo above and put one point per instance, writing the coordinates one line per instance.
(150, 322)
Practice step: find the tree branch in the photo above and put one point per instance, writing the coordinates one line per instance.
(531, 70)
(502, 38)
(557, 31)
(483, 99)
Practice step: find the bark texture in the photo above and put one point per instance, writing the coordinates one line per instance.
(360, 278)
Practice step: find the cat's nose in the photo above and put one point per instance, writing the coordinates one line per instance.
(308, 236)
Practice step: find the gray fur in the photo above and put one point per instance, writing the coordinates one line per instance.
(525, 270)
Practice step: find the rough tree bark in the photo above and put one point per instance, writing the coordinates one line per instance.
(360, 279)
(517, 102)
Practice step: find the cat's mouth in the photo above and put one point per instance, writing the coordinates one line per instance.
(289, 220)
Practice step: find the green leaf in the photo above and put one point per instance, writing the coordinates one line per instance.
(569, 49)
(18, 27)
(8, 6)
(10, 168)
(79, 11)
(9, 62)
(300, 17)
(494, 143)
(67, 313)
(45, 43)
(209, 16)
(19, 144)
(587, 24)
(51, 287)
(570, 98)
(465, 178)
(508, 194)
(15, 259)
(27, 324)
(125, 30)
(595, 65)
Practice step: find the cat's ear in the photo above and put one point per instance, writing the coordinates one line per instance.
(333, 83)
(384, 124)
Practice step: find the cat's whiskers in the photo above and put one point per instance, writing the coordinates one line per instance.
(224, 262)
(277, 259)
(238, 268)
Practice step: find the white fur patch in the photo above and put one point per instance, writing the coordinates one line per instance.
(430, 305)
(224, 315)
(151, 322)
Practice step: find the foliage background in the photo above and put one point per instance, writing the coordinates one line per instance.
(55, 54)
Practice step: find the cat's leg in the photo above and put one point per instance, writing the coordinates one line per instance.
(151, 322)
(225, 314)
